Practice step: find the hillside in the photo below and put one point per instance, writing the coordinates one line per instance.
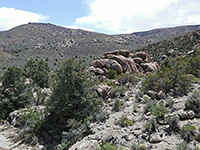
(179, 44)
(57, 43)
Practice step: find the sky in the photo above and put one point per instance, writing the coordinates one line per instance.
(104, 16)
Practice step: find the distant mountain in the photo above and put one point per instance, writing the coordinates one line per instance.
(57, 43)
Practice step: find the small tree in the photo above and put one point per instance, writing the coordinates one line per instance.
(13, 94)
(38, 71)
(74, 95)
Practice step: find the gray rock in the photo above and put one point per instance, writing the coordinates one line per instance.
(39, 147)
(161, 95)
(182, 114)
(191, 114)
(155, 138)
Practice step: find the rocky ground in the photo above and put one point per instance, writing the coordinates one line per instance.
(8, 134)
(111, 131)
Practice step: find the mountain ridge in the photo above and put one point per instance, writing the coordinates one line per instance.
(57, 43)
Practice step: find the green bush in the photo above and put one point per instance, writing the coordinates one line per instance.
(117, 105)
(187, 132)
(13, 91)
(118, 91)
(124, 121)
(111, 74)
(193, 102)
(149, 105)
(174, 76)
(182, 146)
(38, 71)
(151, 126)
(137, 147)
(159, 110)
(173, 123)
(128, 78)
(109, 146)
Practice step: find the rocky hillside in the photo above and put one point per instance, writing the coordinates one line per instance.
(178, 44)
(57, 43)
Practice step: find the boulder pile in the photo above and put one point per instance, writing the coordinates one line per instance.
(122, 61)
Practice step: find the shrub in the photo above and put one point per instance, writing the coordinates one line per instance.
(38, 71)
(111, 74)
(13, 91)
(117, 105)
(173, 123)
(151, 126)
(187, 132)
(124, 121)
(33, 119)
(182, 146)
(137, 147)
(193, 102)
(172, 77)
(108, 146)
(158, 110)
(128, 78)
(149, 105)
(118, 91)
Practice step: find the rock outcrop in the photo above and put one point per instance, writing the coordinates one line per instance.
(121, 62)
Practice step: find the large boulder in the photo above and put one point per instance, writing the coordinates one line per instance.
(132, 65)
(124, 52)
(99, 63)
(138, 60)
(150, 67)
(145, 57)
(121, 60)
(114, 65)
(96, 71)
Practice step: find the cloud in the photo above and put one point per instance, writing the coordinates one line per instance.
(76, 27)
(11, 17)
(126, 16)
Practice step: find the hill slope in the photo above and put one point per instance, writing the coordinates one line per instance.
(57, 43)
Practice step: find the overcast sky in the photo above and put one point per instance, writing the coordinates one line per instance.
(105, 16)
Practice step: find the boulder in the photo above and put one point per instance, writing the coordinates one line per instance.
(152, 94)
(85, 144)
(124, 52)
(115, 52)
(96, 71)
(155, 138)
(190, 114)
(138, 60)
(182, 115)
(104, 91)
(145, 57)
(121, 60)
(99, 63)
(132, 65)
(161, 95)
(150, 67)
(114, 65)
